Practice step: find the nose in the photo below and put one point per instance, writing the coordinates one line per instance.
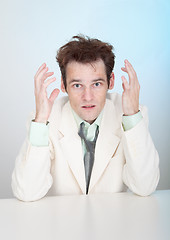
(87, 94)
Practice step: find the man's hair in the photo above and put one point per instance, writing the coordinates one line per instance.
(85, 50)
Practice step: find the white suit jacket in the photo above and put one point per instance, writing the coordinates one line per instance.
(123, 159)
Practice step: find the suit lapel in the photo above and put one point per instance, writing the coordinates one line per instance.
(71, 146)
(106, 145)
(107, 142)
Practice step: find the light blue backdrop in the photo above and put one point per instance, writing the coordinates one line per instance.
(32, 31)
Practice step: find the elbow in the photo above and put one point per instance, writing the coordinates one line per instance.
(24, 194)
(27, 196)
(29, 193)
(144, 186)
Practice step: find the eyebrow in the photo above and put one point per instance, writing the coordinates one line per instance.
(80, 81)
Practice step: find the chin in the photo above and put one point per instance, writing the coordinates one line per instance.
(90, 120)
(89, 117)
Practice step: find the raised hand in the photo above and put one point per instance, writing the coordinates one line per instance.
(130, 95)
(43, 103)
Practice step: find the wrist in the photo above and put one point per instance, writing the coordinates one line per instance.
(130, 113)
(40, 120)
(129, 122)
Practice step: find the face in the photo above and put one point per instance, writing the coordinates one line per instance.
(87, 87)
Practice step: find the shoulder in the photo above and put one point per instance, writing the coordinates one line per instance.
(60, 103)
(115, 100)
(58, 108)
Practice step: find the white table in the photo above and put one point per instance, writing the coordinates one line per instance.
(109, 216)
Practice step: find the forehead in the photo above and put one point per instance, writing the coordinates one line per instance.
(85, 70)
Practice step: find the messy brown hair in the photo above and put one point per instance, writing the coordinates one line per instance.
(85, 50)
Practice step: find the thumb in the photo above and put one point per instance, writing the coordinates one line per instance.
(54, 94)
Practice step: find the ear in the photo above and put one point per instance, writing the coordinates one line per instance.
(112, 80)
(62, 86)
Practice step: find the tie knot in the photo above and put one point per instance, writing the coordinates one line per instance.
(90, 145)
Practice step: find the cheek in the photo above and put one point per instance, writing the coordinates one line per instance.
(101, 96)
(74, 99)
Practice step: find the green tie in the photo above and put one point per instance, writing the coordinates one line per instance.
(89, 155)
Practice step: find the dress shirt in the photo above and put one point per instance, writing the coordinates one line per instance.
(89, 129)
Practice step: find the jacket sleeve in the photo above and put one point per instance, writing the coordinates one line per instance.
(141, 170)
(31, 178)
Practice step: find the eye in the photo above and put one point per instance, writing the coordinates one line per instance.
(76, 85)
(97, 84)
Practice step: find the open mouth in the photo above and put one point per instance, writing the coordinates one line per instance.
(88, 106)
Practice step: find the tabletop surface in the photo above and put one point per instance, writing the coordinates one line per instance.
(116, 216)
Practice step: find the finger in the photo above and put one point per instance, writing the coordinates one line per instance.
(46, 75)
(49, 81)
(40, 68)
(54, 94)
(39, 77)
(123, 86)
(134, 79)
(42, 72)
(130, 65)
(131, 73)
(124, 69)
(125, 83)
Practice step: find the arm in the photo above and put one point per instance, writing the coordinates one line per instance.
(141, 171)
(31, 178)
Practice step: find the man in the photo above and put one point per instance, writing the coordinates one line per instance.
(91, 141)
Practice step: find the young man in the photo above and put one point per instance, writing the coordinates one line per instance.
(91, 141)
